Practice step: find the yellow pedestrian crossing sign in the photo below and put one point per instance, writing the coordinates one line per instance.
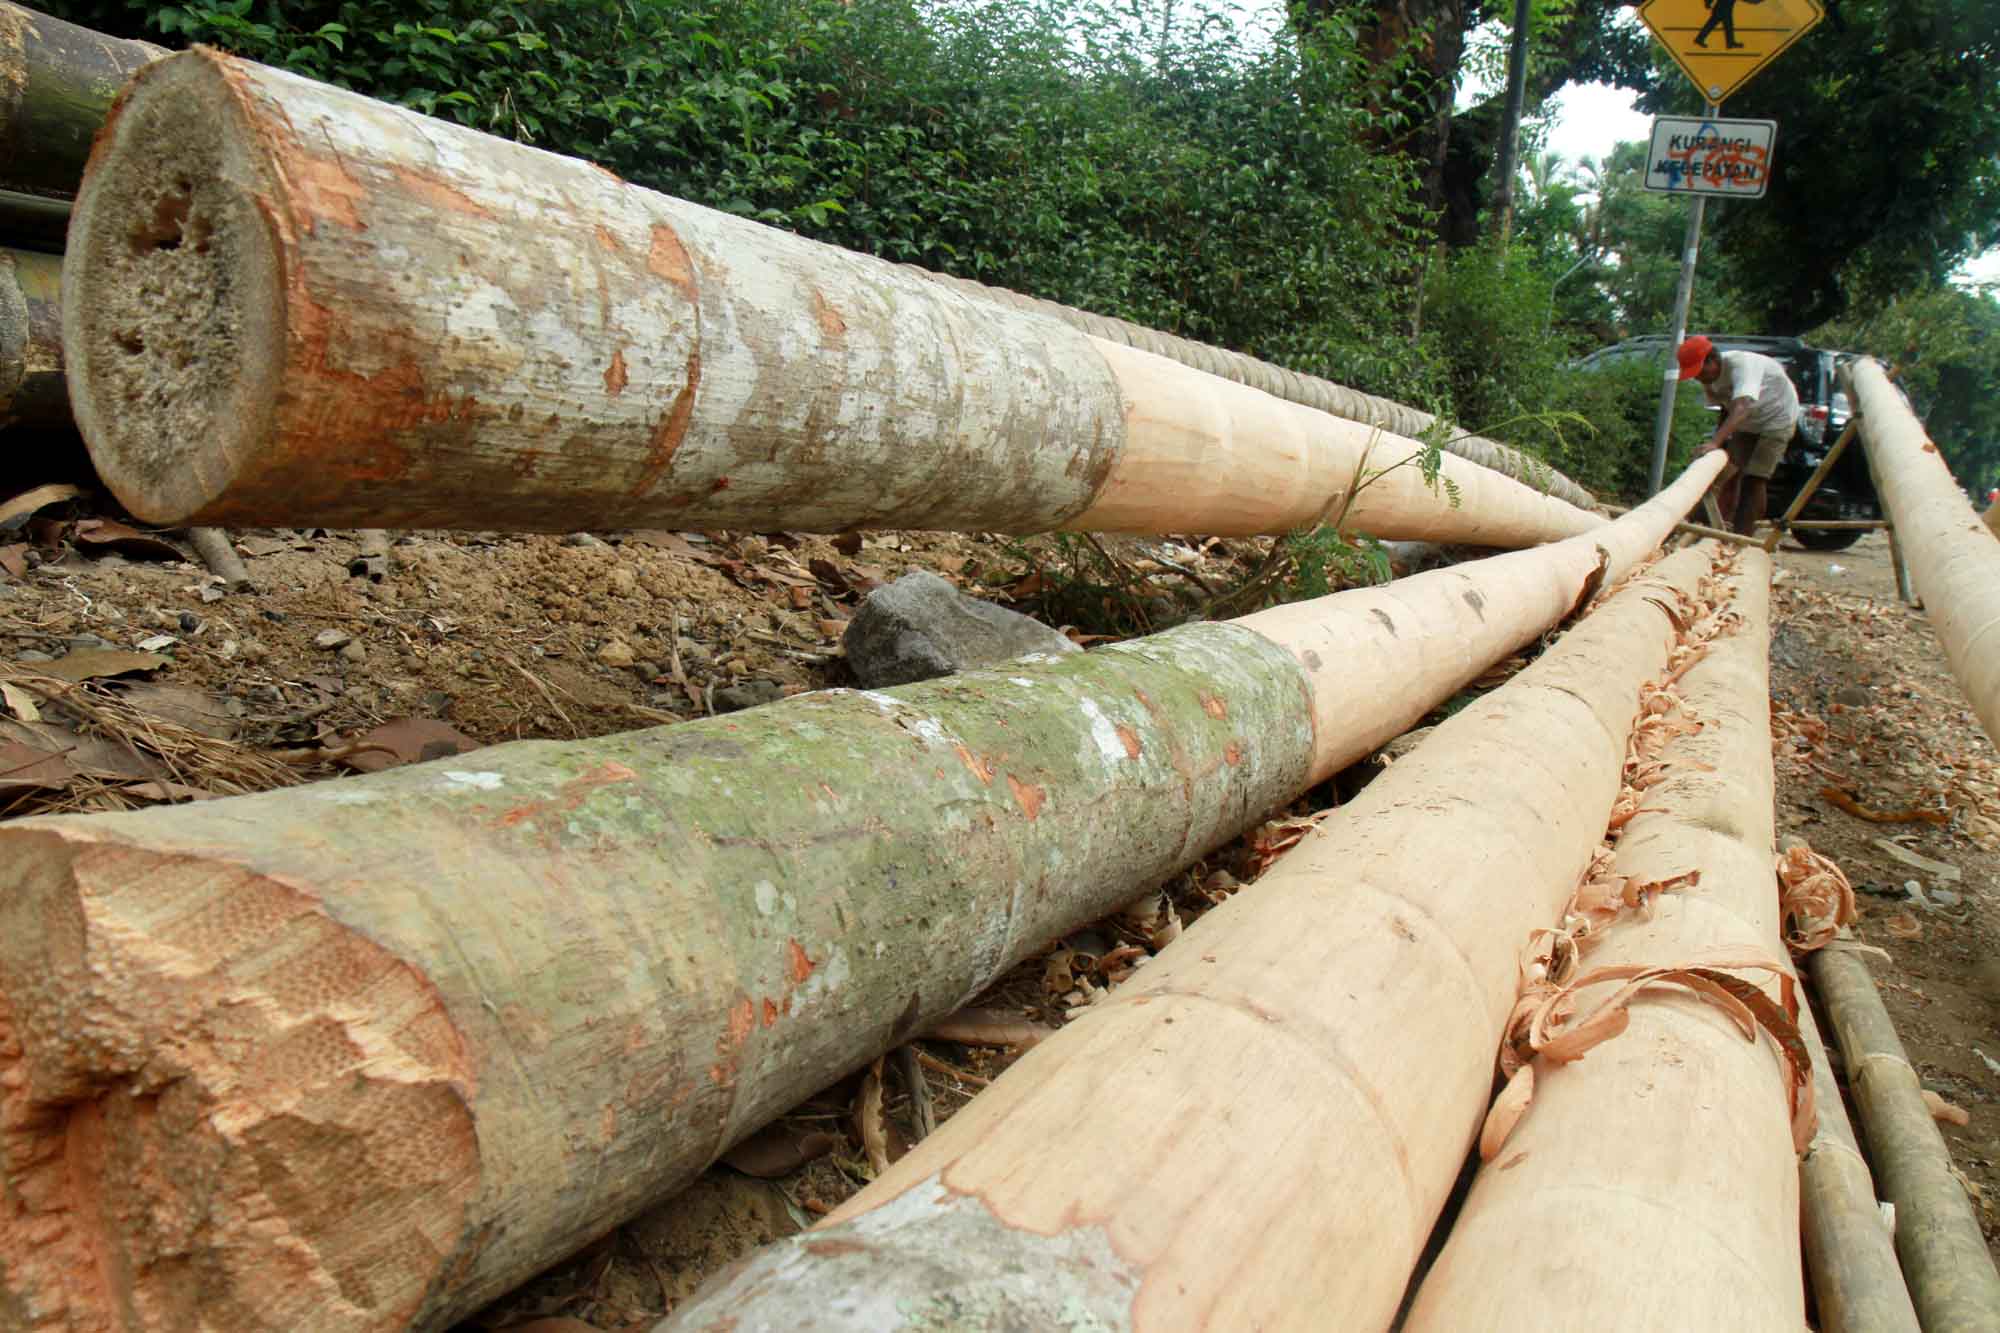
(1721, 43)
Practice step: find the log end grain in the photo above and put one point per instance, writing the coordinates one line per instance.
(174, 312)
(218, 1107)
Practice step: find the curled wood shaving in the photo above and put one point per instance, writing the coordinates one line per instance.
(1945, 1112)
(874, 1133)
(1873, 816)
(1814, 896)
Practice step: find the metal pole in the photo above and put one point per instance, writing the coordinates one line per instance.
(1663, 424)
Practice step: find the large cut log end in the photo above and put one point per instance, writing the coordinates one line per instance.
(174, 308)
(218, 1107)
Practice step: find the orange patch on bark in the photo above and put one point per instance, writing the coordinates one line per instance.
(797, 965)
(669, 260)
(1130, 738)
(572, 794)
(978, 767)
(770, 1014)
(671, 431)
(614, 374)
(326, 193)
(608, 241)
(1214, 706)
(441, 194)
(830, 322)
(1028, 795)
(742, 1021)
(1232, 754)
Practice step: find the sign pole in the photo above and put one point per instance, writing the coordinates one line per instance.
(1663, 424)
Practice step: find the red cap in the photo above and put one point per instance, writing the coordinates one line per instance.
(1692, 353)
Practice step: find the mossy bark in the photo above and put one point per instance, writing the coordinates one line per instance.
(57, 81)
(32, 392)
(381, 1048)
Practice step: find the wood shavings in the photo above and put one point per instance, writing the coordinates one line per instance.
(1815, 897)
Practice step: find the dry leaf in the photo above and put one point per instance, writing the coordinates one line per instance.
(408, 740)
(19, 702)
(987, 1027)
(1904, 927)
(39, 498)
(169, 791)
(26, 766)
(14, 559)
(124, 539)
(801, 596)
(848, 543)
(84, 664)
(868, 1119)
(830, 629)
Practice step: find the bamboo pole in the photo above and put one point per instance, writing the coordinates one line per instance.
(1291, 385)
(1813, 483)
(33, 221)
(1700, 1174)
(1142, 1170)
(1953, 558)
(56, 82)
(354, 314)
(1950, 1272)
(377, 1049)
(1850, 1252)
(32, 392)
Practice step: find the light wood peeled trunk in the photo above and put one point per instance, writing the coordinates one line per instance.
(366, 1053)
(297, 304)
(1653, 1184)
(1259, 1128)
(1954, 559)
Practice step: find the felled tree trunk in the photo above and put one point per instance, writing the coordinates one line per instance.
(297, 304)
(31, 361)
(56, 82)
(1953, 558)
(1674, 1139)
(375, 1050)
(1259, 1129)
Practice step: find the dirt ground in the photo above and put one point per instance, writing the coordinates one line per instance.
(187, 690)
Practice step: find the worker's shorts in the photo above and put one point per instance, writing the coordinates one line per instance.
(1757, 455)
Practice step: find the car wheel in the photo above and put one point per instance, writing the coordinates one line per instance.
(1828, 539)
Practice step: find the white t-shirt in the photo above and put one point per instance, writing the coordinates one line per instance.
(1757, 377)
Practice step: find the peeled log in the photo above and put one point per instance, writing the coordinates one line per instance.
(1654, 1183)
(1953, 557)
(32, 391)
(381, 1048)
(1259, 1129)
(298, 304)
(56, 83)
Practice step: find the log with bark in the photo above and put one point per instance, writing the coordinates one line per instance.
(1953, 558)
(300, 305)
(57, 80)
(366, 1053)
(32, 392)
(1654, 1183)
(1259, 1129)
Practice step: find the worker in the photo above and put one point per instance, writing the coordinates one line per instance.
(1760, 413)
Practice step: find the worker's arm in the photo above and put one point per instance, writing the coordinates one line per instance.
(1738, 409)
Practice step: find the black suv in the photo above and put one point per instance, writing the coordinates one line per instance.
(1848, 492)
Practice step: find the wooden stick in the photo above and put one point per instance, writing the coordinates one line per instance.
(1939, 543)
(218, 552)
(378, 352)
(527, 992)
(1035, 1206)
(1811, 488)
(1944, 1256)
(1902, 568)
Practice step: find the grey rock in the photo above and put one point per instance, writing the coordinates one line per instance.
(1945, 898)
(581, 539)
(32, 655)
(331, 639)
(920, 627)
(353, 652)
(750, 694)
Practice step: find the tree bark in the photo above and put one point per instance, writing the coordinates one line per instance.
(32, 392)
(1701, 1175)
(1135, 1171)
(57, 80)
(374, 1050)
(297, 304)
(1952, 556)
